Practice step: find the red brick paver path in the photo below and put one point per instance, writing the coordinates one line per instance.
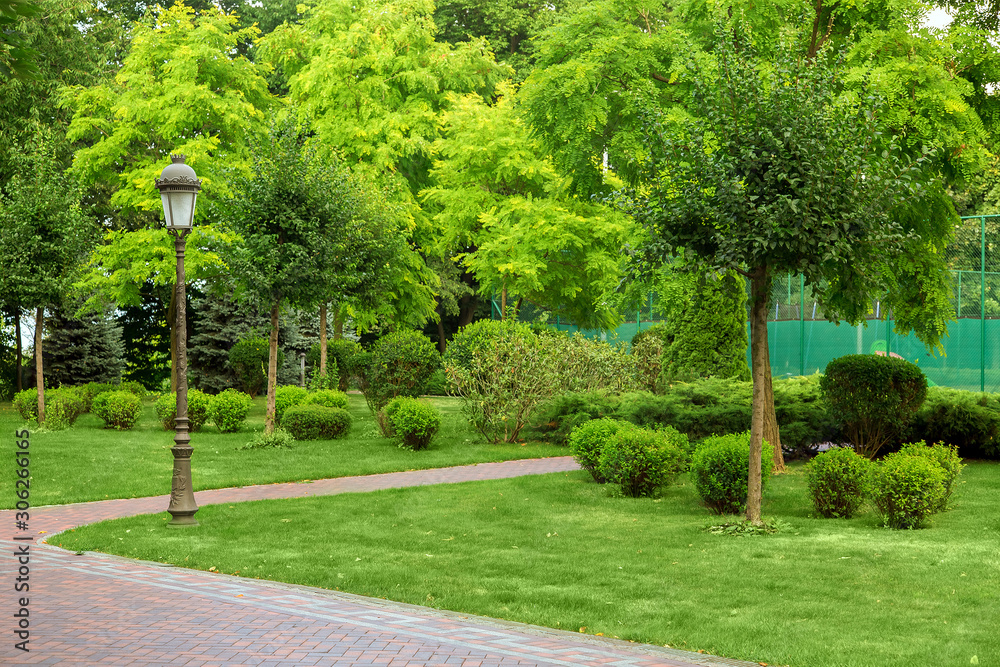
(95, 610)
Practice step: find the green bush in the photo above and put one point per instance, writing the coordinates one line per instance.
(556, 419)
(401, 365)
(804, 417)
(945, 456)
(587, 442)
(197, 409)
(26, 404)
(285, 397)
(324, 381)
(661, 331)
(228, 410)
(279, 437)
(62, 406)
(838, 481)
(414, 422)
(965, 419)
(874, 397)
(720, 467)
(92, 389)
(648, 353)
(136, 388)
(907, 489)
(316, 422)
(710, 406)
(119, 409)
(581, 364)
(640, 461)
(439, 384)
(330, 398)
(343, 351)
(248, 358)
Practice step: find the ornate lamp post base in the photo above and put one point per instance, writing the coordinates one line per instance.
(182, 505)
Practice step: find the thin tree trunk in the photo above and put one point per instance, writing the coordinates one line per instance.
(172, 319)
(503, 302)
(272, 370)
(466, 309)
(322, 338)
(761, 370)
(39, 377)
(771, 434)
(440, 327)
(19, 354)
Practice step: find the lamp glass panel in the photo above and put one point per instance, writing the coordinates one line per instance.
(178, 208)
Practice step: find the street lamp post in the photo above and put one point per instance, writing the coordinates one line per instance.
(179, 186)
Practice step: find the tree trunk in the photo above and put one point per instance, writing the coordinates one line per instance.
(440, 326)
(19, 353)
(771, 434)
(39, 377)
(322, 338)
(466, 309)
(761, 371)
(503, 302)
(172, 319)
(272, 370)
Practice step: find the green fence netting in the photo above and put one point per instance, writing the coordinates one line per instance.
(802, 341)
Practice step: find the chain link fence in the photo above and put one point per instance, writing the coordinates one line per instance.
(802, 341)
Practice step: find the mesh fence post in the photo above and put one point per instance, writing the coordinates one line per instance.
(982, 303)
(802, 324)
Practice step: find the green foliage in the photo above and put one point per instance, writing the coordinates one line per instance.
(745, 528)
(287, 397)
(82, 349)
(640, 461)
(120, 410)
(414, 422)
(62, 407)
(945, 456)
(278, 438)
(229, 409)
(503, 371)
(587, 441)
(401, 365)
(710, 339)
(198, 404)
(582, 364)
(838, 480)
(316, 422)
(330, 398)
(26, 404)
(324, 381)
(648, 353)
(804, 417)
(342, 352)
(720, 468)
(965, 419)
(248, 358)
(90, 390)
(558, 418)
(875, 397)
(438, 384)
(907, 489)
(136, 388)
(711, 406)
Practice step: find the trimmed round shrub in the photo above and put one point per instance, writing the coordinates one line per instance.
(838, 481)
(198, 402)
(90, 390)
(119, 409)
(414, 422)
(587, 441)
(248, 358)
(720, 467)
(640, 461)
(875, 397)
(401, 365)
(906, 489)
(330, 398)
(316, 422)
(945, 456)
(26, 404)
(229, 409)
(62, 406)
(286, 397)
(136, 388)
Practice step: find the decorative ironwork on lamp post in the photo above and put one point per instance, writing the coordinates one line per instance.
(179, 186)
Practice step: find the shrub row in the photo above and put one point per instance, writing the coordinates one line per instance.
(905, 487)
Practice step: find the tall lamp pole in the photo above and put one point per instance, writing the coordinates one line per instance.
(179, 186)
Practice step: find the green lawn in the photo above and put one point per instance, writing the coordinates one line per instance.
(557, 550)
(88, 462)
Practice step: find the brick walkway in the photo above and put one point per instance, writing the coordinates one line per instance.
(94, 609)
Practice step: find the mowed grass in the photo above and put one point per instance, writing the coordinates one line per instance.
(558, 550)
(89, 462)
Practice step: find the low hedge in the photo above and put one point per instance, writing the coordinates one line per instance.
(316, 422)
(119, 409)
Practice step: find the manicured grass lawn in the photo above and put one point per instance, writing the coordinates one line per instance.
(88, 462)
(557, 550)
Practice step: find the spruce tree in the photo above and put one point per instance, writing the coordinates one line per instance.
(82, 350)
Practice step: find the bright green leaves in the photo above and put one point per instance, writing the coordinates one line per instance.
(181, 89)
(506, 212)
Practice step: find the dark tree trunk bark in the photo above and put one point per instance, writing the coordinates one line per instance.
(272, 370)
(322, 339)
(442, 344)
(39, 377)
(467, 309)
(761, 371)
(19, 353)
